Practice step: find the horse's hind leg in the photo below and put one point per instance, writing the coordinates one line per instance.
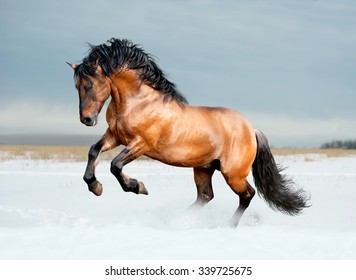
(245, 192)
(202, 178)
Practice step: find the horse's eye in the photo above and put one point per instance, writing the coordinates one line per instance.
(88, 87)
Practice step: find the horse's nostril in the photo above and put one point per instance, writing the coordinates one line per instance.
(87, 121)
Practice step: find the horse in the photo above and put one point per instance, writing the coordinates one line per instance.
(149, 116)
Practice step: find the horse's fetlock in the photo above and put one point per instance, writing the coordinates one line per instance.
(89, 180)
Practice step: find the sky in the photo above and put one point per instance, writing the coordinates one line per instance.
(287, 65)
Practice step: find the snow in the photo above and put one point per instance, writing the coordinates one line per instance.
(46, 212)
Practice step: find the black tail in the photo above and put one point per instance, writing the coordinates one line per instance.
(279, 191)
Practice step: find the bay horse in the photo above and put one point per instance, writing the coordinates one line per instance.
(149, 116)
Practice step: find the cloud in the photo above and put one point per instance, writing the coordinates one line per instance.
(41, 117)
(283, 130)
(287, 61)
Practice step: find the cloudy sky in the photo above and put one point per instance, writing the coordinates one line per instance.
(288, 65)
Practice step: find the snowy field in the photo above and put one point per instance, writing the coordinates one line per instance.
(46, 212)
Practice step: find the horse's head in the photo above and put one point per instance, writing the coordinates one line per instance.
(93, 88)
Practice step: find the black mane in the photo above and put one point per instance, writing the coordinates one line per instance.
(116, 54)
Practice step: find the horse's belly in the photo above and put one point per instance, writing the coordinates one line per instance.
(185, 155)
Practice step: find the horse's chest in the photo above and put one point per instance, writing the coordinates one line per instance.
(124, 130)
(135, 126)
(122, 133)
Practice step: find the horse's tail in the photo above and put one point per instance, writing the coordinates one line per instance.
(279, 191)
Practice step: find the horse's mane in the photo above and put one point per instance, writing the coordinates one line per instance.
(116, 54)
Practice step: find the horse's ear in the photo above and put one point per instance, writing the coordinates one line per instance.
(73, 65)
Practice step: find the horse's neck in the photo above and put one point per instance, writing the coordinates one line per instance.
(128, 95)
(124, 85)
(129, 91)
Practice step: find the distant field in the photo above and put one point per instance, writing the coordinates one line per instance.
(79, 153)
(325, 152)
(61, 153)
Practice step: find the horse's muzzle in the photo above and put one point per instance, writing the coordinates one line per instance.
(89, 121)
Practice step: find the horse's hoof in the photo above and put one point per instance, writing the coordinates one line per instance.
(142, 189)
(97, 189)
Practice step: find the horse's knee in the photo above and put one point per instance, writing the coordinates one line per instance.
(95, 150)
(115, 168)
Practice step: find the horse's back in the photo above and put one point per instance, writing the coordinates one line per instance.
(229, 122)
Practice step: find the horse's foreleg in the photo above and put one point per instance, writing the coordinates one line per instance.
(134, 150)
(107, 142)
